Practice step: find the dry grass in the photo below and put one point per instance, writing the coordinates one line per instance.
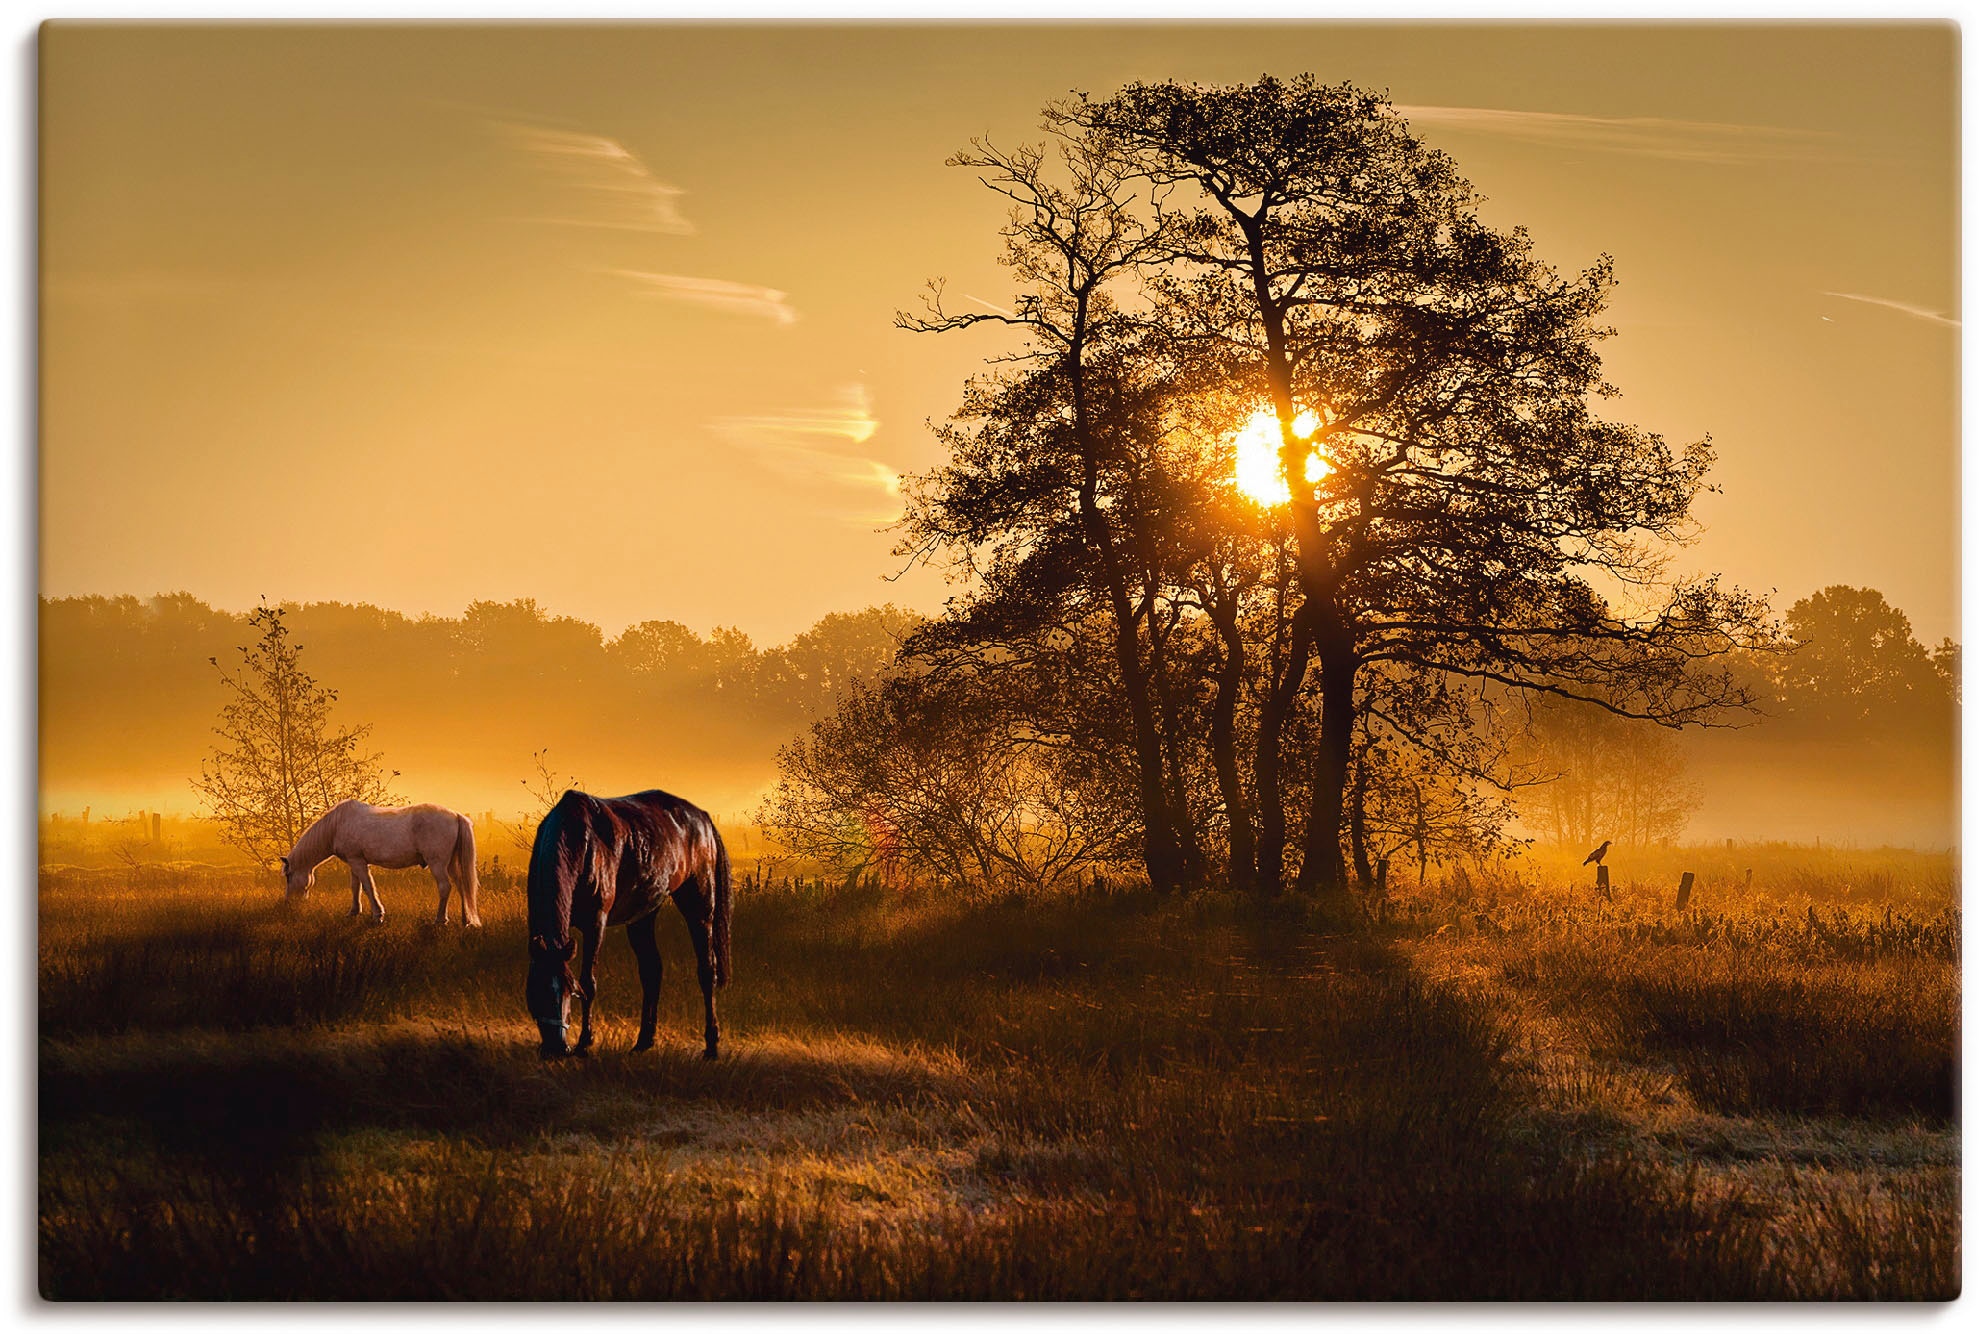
(1795, 1046)
(1100, 1097)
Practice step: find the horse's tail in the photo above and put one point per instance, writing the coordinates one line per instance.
(723, 897)
(466, 878)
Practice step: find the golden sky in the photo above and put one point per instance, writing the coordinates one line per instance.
(602, 315)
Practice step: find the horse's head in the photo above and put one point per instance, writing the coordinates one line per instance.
(548, 991)
(296, 880)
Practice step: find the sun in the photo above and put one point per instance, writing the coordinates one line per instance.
(1256, 472)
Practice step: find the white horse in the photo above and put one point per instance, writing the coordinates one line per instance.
(365, 836)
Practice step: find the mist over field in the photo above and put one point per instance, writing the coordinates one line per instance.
(1849, 749)
(458, 705)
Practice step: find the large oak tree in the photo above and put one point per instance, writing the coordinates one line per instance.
(1474, 514)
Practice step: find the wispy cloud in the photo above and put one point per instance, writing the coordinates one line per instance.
(820, 444)
(715, 293)
(1902, 307)
(596, 181)
(1643, 136)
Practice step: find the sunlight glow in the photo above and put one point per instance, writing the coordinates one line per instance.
(1256, 472)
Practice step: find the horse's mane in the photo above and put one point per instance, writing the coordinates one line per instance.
(313, 844)
(550, 889)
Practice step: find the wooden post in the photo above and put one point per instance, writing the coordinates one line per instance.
(154, 826)
(1603, 880)
(1684, 890)
(1750, 880)
(1382, 877)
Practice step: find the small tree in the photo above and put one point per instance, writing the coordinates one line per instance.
(544, 791)
(282, 762)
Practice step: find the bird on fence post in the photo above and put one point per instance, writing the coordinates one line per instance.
(1597, 856)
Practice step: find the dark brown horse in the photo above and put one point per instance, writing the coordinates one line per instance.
(612, 861)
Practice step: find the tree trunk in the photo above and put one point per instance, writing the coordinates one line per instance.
(1190, 863)
(1243, 860)
(1321, 868)
(1160, 852)
(1266, 760)
(1358, 836)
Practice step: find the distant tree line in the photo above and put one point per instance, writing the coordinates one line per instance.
(129, 690)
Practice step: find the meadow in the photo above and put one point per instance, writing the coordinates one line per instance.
(1502, 1086)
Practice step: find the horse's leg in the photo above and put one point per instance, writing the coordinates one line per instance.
(362, 870)
(587, 985)
(646, 950)
(357, 890)
(445, 886)
(698, 906)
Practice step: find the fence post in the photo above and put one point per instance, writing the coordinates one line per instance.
(1603, 880)
(1684, 890)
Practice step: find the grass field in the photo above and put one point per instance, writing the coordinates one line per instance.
(1504, 1088)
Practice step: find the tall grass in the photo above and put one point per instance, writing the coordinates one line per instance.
(1764, 1000)
(1103, 1096)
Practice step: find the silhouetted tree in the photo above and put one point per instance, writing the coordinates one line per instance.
(1040, 458)
(283, 762)
(1469, 498)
